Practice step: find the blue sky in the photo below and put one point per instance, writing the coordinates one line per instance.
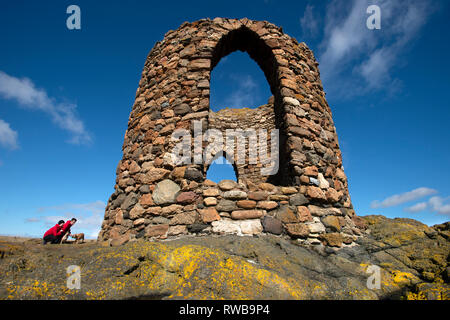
(65, 98)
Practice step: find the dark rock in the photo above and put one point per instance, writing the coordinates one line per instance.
(446, 275)
(313, 158)
(197, 227)
(193, 174)
(119, 200)
(286, 214)
(160, 220)
(298, 200)
(157, 150)
(129, 201)
(155, 115)
(226, 205)
(272, 225)
(144, 189)
(182, 109)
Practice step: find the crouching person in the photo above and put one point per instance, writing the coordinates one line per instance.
(54, 234)
(66, 230)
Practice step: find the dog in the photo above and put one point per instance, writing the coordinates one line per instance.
(79, 237)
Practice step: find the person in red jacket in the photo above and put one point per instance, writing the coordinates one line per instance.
(65, 231)
(54, 234)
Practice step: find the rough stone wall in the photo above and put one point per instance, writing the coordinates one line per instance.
(262, 117)
(308, 198)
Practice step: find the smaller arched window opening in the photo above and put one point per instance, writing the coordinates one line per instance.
(221, 169)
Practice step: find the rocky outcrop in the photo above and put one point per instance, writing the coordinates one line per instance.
(413, 262)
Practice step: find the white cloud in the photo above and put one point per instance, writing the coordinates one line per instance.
(309, 23)
(28, 96)
(8, 137)
(417, 207)
(375, 70)
(353, 56)
(437, 204)
(434, 204)
(344, 35)
(89, 216)
(245, 94)
(398, 199)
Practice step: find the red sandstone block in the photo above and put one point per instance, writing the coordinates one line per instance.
(247, 214)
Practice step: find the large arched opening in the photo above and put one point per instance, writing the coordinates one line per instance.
(237, 82)
(268, 118)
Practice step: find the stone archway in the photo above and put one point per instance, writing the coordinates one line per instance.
(308, 197)
(224, 155)
(246, 40)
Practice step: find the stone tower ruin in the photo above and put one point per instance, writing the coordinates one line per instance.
(157, 198)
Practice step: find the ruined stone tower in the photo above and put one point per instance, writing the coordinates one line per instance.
(155, 197)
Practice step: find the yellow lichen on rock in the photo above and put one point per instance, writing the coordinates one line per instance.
(232, 267)
(205, 273)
